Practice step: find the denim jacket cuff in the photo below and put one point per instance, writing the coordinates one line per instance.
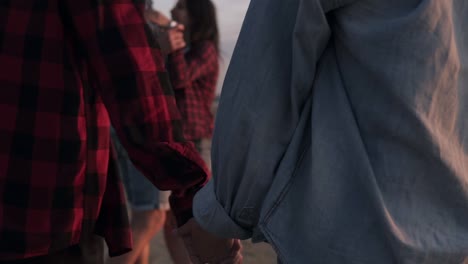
(212, 217)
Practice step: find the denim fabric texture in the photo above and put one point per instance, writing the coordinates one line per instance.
(342, 133)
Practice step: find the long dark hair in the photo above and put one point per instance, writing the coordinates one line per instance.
(204, 24)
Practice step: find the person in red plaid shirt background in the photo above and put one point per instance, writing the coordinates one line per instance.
(194, 71)
(66, 71)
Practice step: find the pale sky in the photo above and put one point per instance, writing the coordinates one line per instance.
(230, 16)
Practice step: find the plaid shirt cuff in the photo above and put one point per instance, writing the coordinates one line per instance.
(191, 165)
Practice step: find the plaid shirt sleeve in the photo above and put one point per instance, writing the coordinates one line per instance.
(185, 68)
(194, 75)
(128, 65)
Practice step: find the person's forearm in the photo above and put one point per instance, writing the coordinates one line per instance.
(136, 91)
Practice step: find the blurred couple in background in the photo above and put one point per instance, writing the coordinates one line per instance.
(190, 44)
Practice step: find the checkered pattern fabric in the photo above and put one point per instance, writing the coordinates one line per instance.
(194, 76)
(69, 68)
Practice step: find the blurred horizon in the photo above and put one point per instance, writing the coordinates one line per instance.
(231, 14)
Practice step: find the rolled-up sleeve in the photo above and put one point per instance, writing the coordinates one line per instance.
(268, 83)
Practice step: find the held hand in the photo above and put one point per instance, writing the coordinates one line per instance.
(176, 37)
(173, 39)
(205, 248)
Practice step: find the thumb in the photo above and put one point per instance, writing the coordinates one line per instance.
(236, 246)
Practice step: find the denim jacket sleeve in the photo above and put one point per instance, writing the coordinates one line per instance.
(269, 79)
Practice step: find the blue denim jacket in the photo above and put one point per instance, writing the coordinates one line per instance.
(342, 132)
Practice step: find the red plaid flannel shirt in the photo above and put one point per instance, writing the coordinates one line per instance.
(68, 68)
(194, 76)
